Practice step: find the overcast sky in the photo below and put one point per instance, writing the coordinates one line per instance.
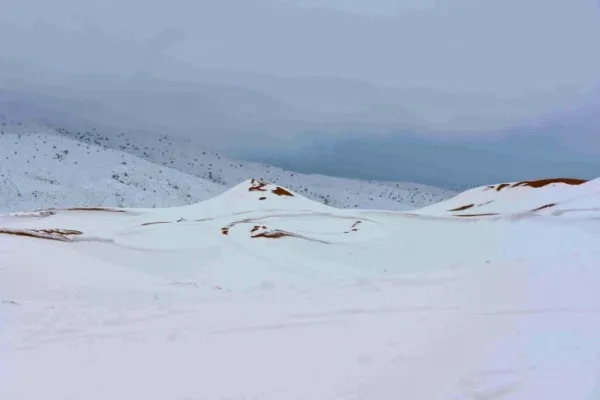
(455, 67)
(506, 47)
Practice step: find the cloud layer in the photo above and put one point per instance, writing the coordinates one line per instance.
(506, 47)
(255, 74)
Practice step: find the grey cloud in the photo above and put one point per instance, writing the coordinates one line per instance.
(500, 46)
(262, 74)
(333, 66)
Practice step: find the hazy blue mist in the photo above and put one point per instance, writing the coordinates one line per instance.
(453, 164)
(446, 92)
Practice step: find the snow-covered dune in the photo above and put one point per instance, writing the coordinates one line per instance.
(261, 293)
(541, 196)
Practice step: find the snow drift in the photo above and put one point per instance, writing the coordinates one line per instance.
(261, 293)
(543, 196)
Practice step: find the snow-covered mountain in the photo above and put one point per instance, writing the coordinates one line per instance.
(261, 293)
(59, 169)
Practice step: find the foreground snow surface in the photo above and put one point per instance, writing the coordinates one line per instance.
(262, 294)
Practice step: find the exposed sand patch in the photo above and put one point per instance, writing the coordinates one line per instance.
(261, 186)
(476, 215)
(257, 186)
(538, 183)
(104, 209)
(354, 227)
(545, 182)
(33, 214)
(462, 208)
(544, 207)
(263, 232)
(279, 191)
(273, 235)
(155, 223)
(256, 228)
(48, 234)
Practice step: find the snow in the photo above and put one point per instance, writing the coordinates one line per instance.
(160, 171)
(191, 302)
(43, 170)
(542, 197)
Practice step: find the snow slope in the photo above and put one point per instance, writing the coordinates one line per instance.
(260, 293)
(41, 171)
(541, 196)
(170, 173)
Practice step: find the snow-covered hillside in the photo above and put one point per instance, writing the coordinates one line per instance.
(53, 169)
(42, 171)
(261, 293)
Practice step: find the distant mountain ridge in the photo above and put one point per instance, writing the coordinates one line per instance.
(42, 168)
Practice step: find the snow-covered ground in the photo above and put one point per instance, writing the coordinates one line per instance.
(180, 155)
(260, 293)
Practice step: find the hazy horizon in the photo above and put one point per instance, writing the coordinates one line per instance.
(257, 77)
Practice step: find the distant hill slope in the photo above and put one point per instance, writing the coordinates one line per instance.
(99, 169)
(40, 171)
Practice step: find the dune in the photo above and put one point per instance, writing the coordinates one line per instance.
(260, 292)
(514, 198)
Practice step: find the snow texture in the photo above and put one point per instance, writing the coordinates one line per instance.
(261, 293)
(42, 167)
